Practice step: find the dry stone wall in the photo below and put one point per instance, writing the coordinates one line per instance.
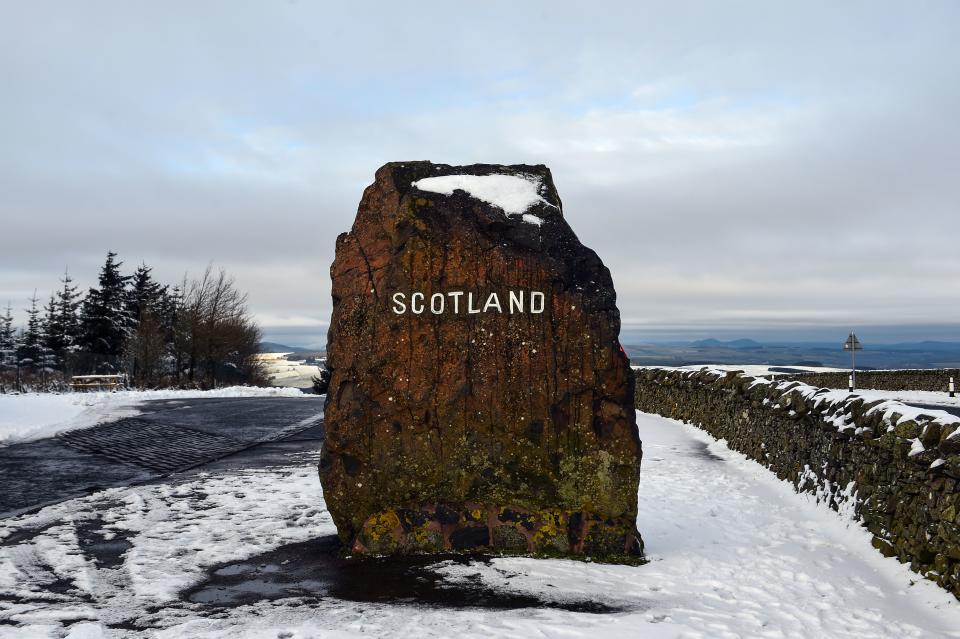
(894, 467)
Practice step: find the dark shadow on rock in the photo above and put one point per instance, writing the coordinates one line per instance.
(315, 570)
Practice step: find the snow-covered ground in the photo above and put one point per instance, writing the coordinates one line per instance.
(900, 402)
(37, 415)
(763, 370)
(751, 369)
(911, 397)
(283, 372)
(733, 552)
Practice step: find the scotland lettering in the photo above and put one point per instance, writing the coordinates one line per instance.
(468, 303)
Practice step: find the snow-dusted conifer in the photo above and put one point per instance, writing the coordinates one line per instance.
(169, 308)
(146, 347)
(105, 316)
(47, 357)
(8, 340)
(63, 320)
(30, 349)
(146, 295)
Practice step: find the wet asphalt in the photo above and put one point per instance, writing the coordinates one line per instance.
(168, 436)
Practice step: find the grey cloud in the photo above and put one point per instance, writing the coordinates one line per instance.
(743, 164)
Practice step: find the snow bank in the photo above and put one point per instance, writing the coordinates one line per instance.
(911, 396)
(747, 369)
(288, 373)
(892, 410)
(891, 405)
(254, 511)
(512, 193)
(35, 416)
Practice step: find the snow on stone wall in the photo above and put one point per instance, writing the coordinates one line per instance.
(893, 467)
(933, 379)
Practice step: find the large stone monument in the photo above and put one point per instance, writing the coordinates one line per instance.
(479, 398)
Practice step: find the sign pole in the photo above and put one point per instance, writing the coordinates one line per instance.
(853, 365)
(853, 345)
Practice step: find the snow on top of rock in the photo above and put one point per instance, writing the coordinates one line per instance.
(512, 193)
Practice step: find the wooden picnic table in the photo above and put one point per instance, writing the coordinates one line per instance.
(97, 382)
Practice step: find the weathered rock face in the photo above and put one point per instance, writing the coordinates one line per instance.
(479, 397)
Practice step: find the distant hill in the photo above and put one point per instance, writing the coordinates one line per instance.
(928, 347)
(929, 354)
(273, 347)
(734, 343)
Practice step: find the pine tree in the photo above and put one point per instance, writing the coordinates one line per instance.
(49, 318)
(30, 349)
(105, 317)
(174, 327)
(48, 358)
(63, 321)
(146, 295)
(146, 346)
(170, 305)
(8, 340)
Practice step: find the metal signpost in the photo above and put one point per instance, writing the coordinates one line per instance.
(853, 345)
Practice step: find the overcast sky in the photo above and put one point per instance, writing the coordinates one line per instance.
(741, 167)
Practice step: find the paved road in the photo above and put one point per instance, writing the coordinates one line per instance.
(169, 436)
